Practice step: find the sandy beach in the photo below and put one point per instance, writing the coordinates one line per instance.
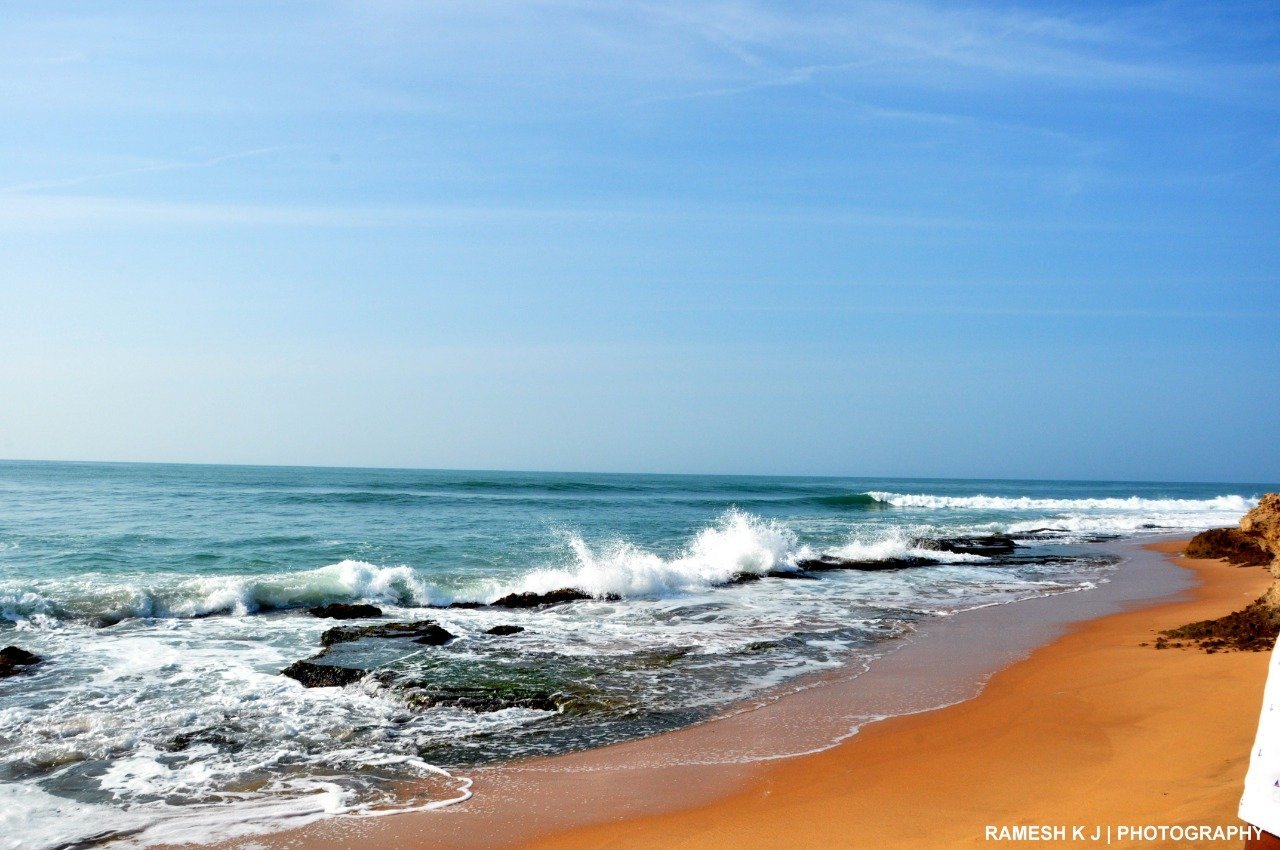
(1094, 730)
(1082, 725)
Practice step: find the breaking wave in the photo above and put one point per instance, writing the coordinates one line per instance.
(848, 500)
(738, 543)
(103, 600)
(1219, 504)
(1088, 517)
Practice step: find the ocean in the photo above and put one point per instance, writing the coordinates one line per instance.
(166, 600)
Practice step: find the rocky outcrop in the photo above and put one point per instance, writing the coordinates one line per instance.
(15, 660)
(1230, 544)
(1000, 546)
(1256, 541)
(1263, 523)
(313, 675)
(423, 631)
(827, 563)
(529, 599)
(537, 600)
(346, 611)
(503, 631)
(494, 696)
(748, 578)
(988, 546)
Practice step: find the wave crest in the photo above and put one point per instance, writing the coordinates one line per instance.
(738, 543)
(1223, 504)
(90, 599)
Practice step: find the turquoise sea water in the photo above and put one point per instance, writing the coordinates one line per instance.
(167, 599)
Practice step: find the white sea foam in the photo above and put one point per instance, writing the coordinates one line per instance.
(126, 699)
(738, 543)
(345, 581)
(107, 598)
(1218, 504)
(894, 544)
(32, 818)
(1088, 516)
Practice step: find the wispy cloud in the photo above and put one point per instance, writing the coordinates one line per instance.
(149, 168)
(21, 212)
(915, 41)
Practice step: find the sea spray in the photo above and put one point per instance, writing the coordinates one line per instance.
(736, 544)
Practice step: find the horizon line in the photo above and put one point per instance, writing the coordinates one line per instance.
(339, 467)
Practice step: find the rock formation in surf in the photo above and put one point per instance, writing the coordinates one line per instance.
(15, 660)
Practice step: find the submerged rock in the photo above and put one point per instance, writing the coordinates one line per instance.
(15, 660)
(554, 597)
(529, 599)
(345, 611)
(313, 675)
(827, 563)
(747, 578)
(999, 546)
(988, 546)
(424, 632)
(481, 698)
(502, 631)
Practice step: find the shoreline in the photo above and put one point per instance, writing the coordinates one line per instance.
(710, 784)
(1091, 730)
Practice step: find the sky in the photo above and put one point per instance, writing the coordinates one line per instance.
(875, 238)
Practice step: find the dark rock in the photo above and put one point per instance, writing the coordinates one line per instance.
(481, 699)
(790, 574)
(1231, 544)
(828, 562)
(314, 675)
(423, 631)
(988, 546)
(467, 605)
(747, 578)
(15, 660)
(477, 696)
(433, 635)
(345, 611)
(554, 597)
(504, 630)
(16, 655)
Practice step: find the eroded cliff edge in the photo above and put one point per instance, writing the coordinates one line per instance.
(1256, 542)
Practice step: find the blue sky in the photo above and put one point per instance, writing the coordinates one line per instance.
(892, 238)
